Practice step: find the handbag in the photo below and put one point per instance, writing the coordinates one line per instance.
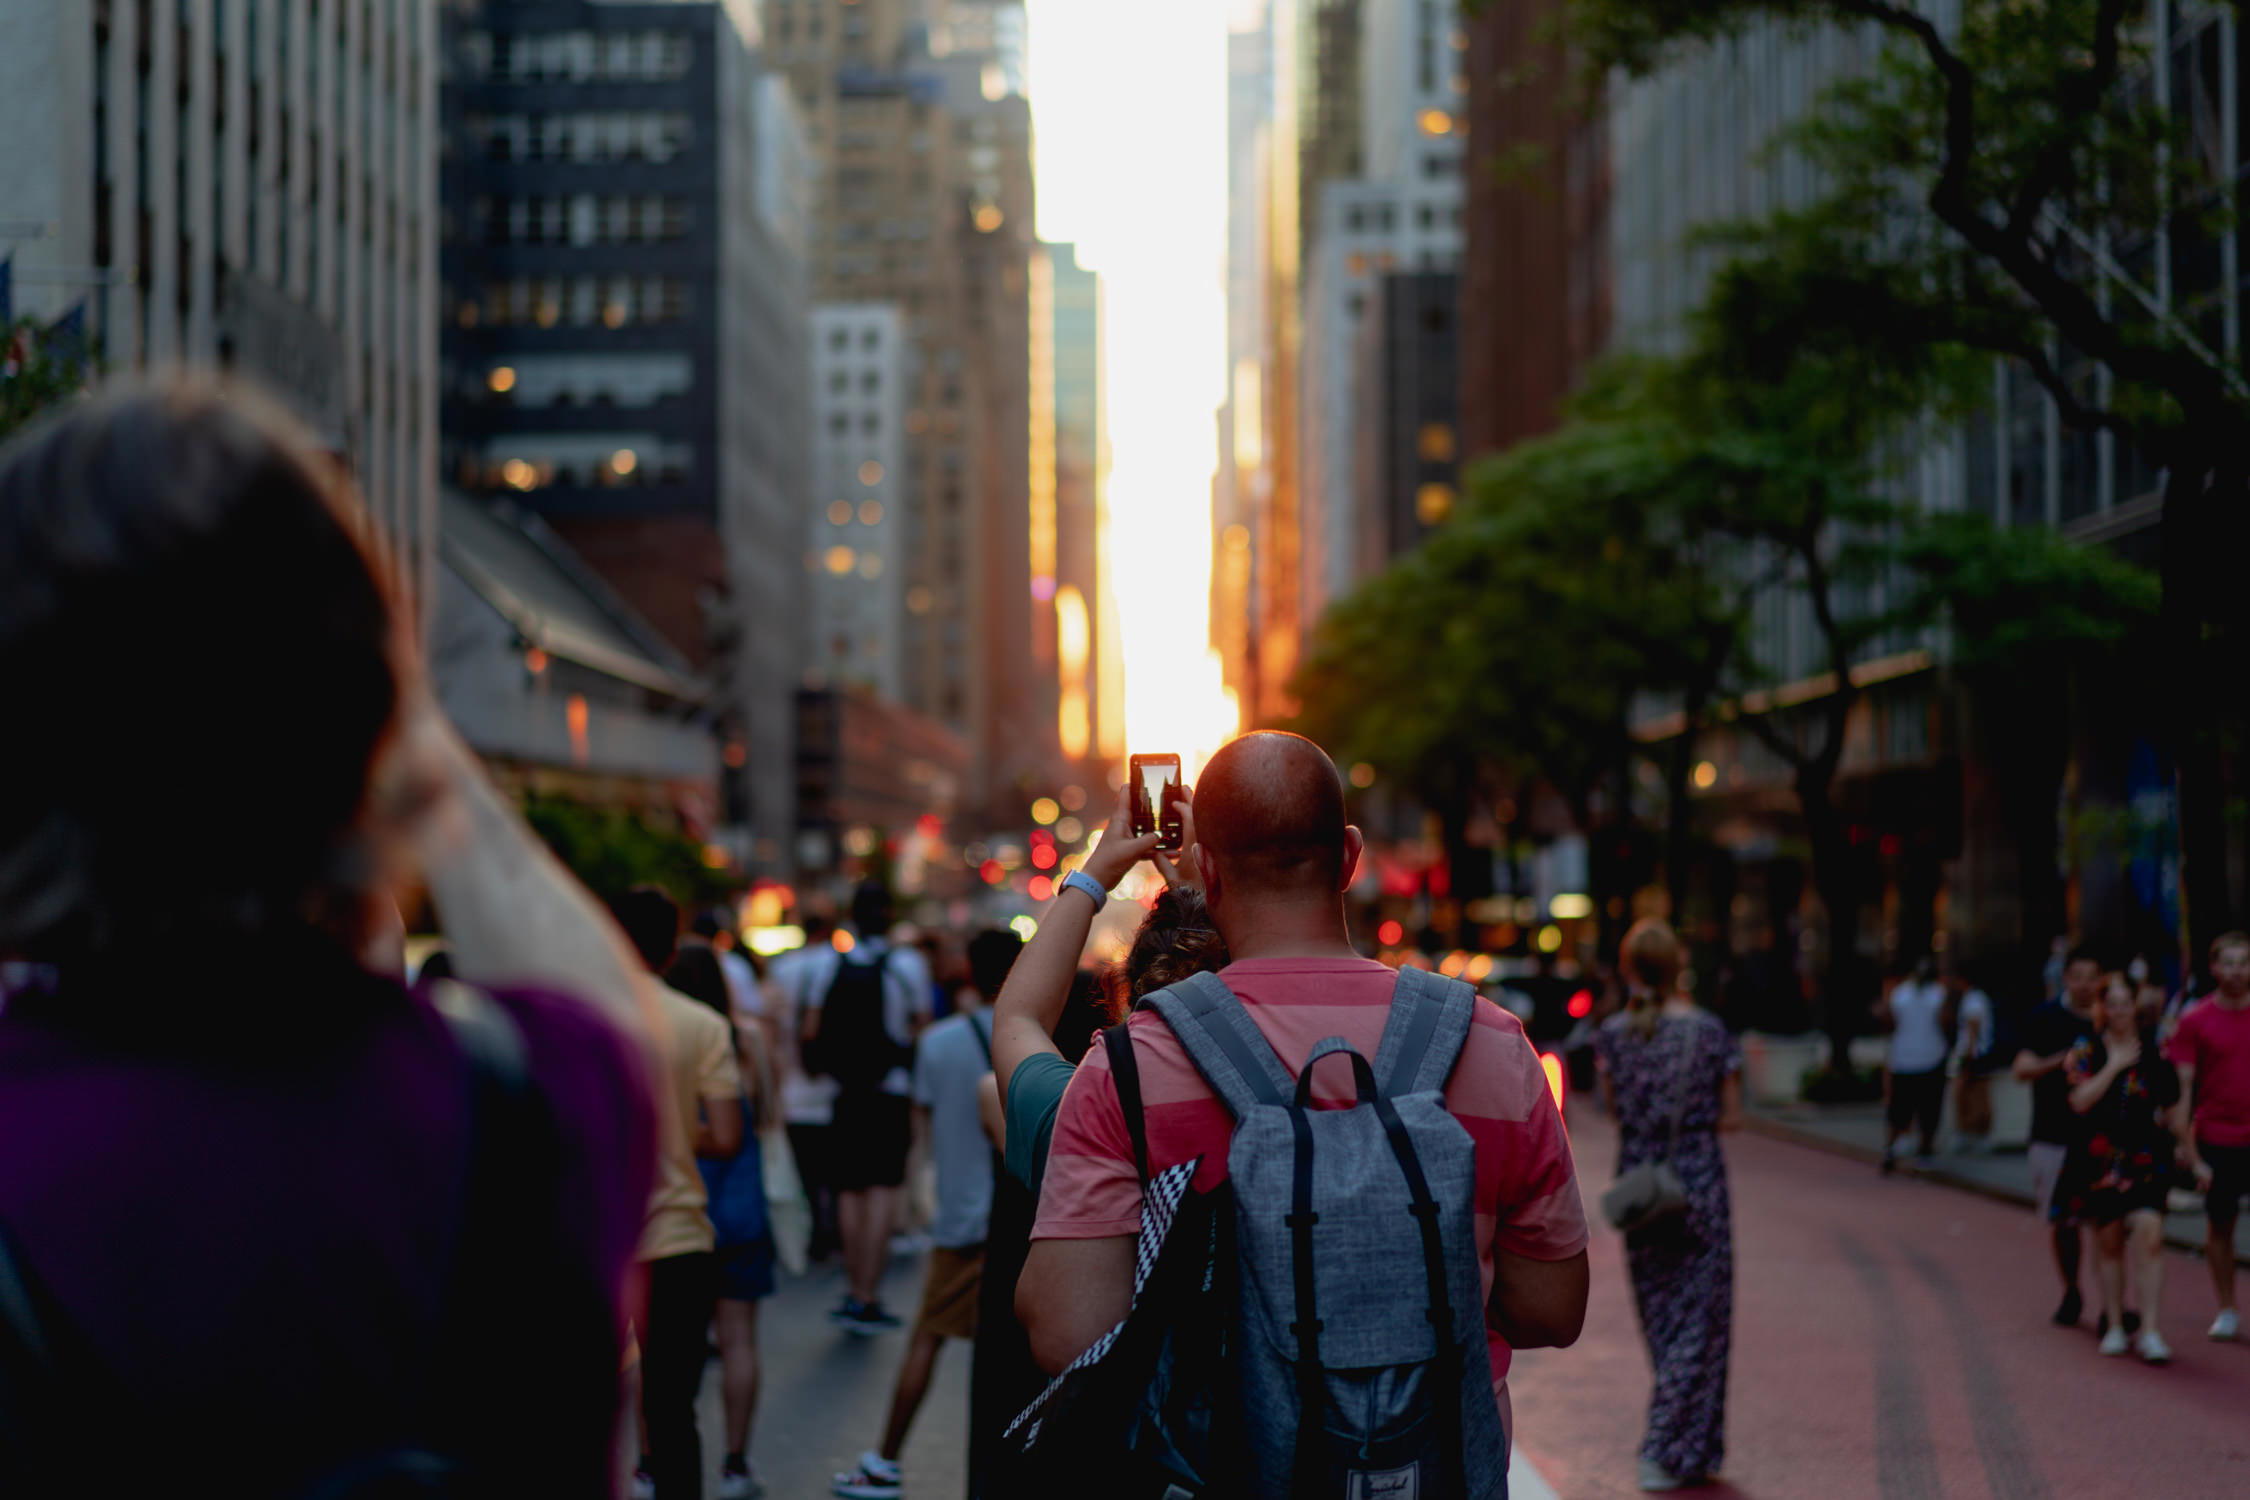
(1651, 1193)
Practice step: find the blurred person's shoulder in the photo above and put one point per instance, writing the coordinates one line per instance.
(693, 1023)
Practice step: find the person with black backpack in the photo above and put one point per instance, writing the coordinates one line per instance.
(860, 1013)
(1217, 1173)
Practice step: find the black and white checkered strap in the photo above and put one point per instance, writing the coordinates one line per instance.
(1160, 1207)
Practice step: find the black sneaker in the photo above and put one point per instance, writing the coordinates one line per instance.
(873, 1319)
(2066, 1316)
(847, 1313)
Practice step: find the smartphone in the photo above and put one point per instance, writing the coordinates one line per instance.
(1154, 778)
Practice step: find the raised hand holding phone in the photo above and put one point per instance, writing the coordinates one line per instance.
(1121, 846)
(1180, 871)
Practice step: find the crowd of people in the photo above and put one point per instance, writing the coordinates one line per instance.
(298, 1219)
(480, 1232)
(2134, 1098)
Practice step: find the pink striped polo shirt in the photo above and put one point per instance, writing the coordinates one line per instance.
(1527, 1189)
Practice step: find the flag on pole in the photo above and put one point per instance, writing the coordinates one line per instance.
(66, 337)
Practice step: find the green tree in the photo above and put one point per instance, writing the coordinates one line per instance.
(38, 368)
(1987, 187)
(611, 850)
(1614, 563)
(1510, 648)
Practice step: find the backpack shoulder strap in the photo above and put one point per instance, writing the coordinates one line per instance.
(1429, 1023)
(1125, 1072)
(1226, 1046)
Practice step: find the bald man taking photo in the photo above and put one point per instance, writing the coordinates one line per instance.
(1273, 855)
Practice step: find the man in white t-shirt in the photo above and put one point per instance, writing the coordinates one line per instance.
(866, 1049)
(1916, 1011)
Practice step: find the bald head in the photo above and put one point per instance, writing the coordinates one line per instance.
(1269, 809)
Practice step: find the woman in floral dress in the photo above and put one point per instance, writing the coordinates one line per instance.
(1662, 1058)
(2118, 1177)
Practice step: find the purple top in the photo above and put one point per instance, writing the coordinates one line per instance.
(253, 1239)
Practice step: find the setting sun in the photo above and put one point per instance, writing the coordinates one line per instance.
(1131, 127)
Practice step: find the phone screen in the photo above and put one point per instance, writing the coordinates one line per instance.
(1154, 779)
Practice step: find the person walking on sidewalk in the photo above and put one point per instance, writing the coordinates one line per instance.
(950, 1066)
(862, 1014)
(2211, 1049)
(700, 1115)
(1670, 1075)
(278, 1223)
(2053, 1030)
(1971, 1062)
(1916, 1012)
(740, 1223)
(2120, 1171)
(808, 1100)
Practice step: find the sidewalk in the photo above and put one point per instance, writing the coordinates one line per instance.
(1856, 1131)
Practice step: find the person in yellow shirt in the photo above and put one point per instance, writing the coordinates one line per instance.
(699, 1114)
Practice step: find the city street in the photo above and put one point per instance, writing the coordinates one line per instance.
(1892, 1343)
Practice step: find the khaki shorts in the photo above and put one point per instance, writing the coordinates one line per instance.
(949, 1294)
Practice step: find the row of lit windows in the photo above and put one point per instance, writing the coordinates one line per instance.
(579, 301)
(622, 470)
(580, 56)
(868, 512)
(582, 219)
(606, 137)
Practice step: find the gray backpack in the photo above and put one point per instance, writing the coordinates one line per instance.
(1358, 1379)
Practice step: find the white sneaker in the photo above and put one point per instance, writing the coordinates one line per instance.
(740, 1485)
(2115, 1341)
(874, 1479)
(1655, 1477)
(2152, 1347)
(2227, 1326)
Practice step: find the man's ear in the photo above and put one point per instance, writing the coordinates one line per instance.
(1206, 874)
(1355, 845)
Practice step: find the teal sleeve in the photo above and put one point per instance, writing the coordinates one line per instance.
(1035, 1095)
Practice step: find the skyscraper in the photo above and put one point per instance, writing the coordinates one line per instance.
(249, 186)
(927, 205)
(629, 198)
(1401, 213)
(863, 373)
(1085, 650)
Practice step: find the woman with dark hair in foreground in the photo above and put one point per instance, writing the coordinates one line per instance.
(270, 1213)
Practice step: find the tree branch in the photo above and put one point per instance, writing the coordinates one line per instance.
(1761, 727)
(1819, 591)
(1960, 87)
(2200, 389)
(2080, 95)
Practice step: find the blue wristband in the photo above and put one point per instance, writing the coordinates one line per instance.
(1080, 880)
